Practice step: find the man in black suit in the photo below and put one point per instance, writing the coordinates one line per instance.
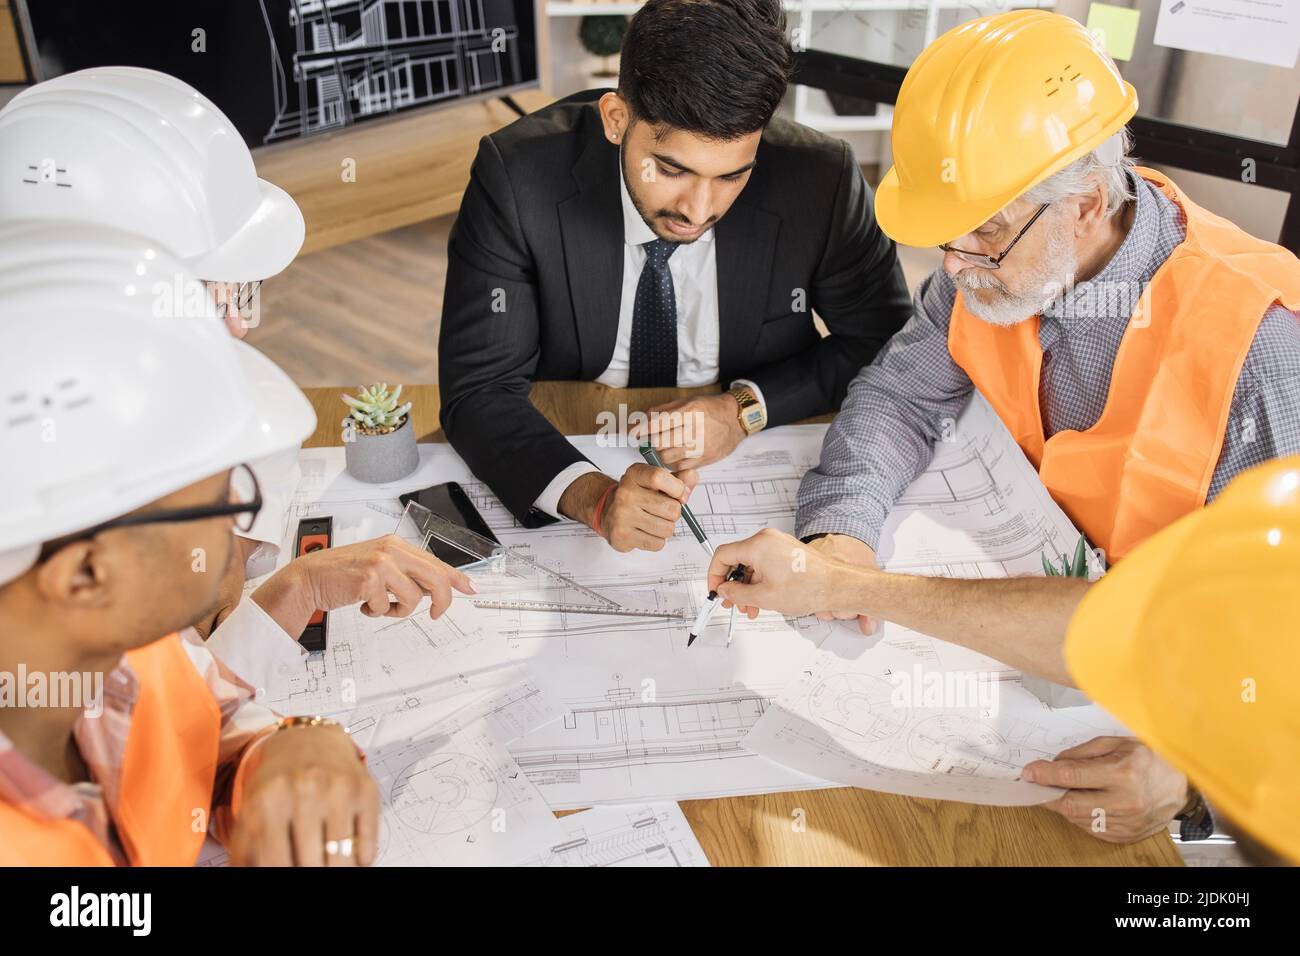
(669, 233)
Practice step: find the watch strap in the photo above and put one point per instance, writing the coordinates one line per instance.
(1195, 821)
(749, 410)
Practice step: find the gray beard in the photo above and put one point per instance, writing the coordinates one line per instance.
(1046, 282)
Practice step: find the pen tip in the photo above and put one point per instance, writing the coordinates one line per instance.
(690, 639)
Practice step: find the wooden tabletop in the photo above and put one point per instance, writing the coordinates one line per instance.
(838, 827)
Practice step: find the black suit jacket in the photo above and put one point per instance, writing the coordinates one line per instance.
(534, 278)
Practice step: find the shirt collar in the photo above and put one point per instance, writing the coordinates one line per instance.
(29, 786)
(635, 230)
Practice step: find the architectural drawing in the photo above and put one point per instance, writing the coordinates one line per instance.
(978, 510)
(854, 713)
(855, 708)
(452, 795)
(457, 799)
(848, 718)
(642, 717)
(574, 657)
(653, 834)
(629, 741)
(353, 59)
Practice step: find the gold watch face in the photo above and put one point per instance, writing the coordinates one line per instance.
(750, 411)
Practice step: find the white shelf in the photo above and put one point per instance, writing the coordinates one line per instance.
(828, 121)
(563, 8)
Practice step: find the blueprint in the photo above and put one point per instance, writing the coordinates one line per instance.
(635, 715)
(653, 834)
(451, 793)
(978, 510)
(860, 717)
(907, 713)
(643, 717)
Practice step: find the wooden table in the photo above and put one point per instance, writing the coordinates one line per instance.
(843, 826)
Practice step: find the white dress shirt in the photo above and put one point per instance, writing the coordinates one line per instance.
(249, 641)
(694, 268)
(277, 478)
(255, 647)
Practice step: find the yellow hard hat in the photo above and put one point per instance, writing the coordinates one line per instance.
(987, 111)
(1193, 641)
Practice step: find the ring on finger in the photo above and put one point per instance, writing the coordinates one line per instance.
(339, 847)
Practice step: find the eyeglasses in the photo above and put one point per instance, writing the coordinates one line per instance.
(992, 262)
(233, 296)
(244, 501)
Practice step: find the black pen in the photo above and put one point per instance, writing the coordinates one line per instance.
(652, 457)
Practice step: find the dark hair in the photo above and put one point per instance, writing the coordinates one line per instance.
(717, 68)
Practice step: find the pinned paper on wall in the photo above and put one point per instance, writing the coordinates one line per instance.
(1115, 29)
(1262, 31)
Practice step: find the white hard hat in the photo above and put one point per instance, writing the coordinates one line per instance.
(141, 151)
(118, 384)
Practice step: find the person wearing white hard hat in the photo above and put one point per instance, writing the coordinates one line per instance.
(143, 151)
(121, 457)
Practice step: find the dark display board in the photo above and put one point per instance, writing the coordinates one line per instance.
(286, 68)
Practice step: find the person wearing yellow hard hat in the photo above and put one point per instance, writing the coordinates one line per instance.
(1190, 642)
(1141, 350)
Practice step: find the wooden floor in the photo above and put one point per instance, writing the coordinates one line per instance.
(369, 310)
(361, 312)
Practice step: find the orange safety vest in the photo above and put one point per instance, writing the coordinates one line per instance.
(1151, 455)
(168, 771)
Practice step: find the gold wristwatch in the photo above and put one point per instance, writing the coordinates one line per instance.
(286, 723)
(289, 723)
(752, 415)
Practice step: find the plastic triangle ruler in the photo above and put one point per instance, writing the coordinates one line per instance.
(505, 578)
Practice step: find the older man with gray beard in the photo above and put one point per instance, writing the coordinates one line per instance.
(1096, 234)
(1141, 350)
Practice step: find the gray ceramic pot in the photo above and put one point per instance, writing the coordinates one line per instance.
(379, 459)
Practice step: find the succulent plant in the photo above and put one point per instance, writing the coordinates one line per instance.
(376, 409)
(1078, 568)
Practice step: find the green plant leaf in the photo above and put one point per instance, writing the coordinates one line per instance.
(1080, 559)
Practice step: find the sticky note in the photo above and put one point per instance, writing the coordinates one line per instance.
(1115, 28)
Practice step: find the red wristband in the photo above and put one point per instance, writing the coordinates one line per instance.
(600, 509)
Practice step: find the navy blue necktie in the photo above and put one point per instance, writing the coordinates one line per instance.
(653, 359)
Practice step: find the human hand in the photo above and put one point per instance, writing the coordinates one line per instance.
(785, 575)
(642, 511)
(307, 792)
(851, 550)
(365, 573)
(692, 431)
(1118, 781)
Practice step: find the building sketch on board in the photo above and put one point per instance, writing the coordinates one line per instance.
(356, 59)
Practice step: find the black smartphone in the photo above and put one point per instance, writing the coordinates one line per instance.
(450, 501)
